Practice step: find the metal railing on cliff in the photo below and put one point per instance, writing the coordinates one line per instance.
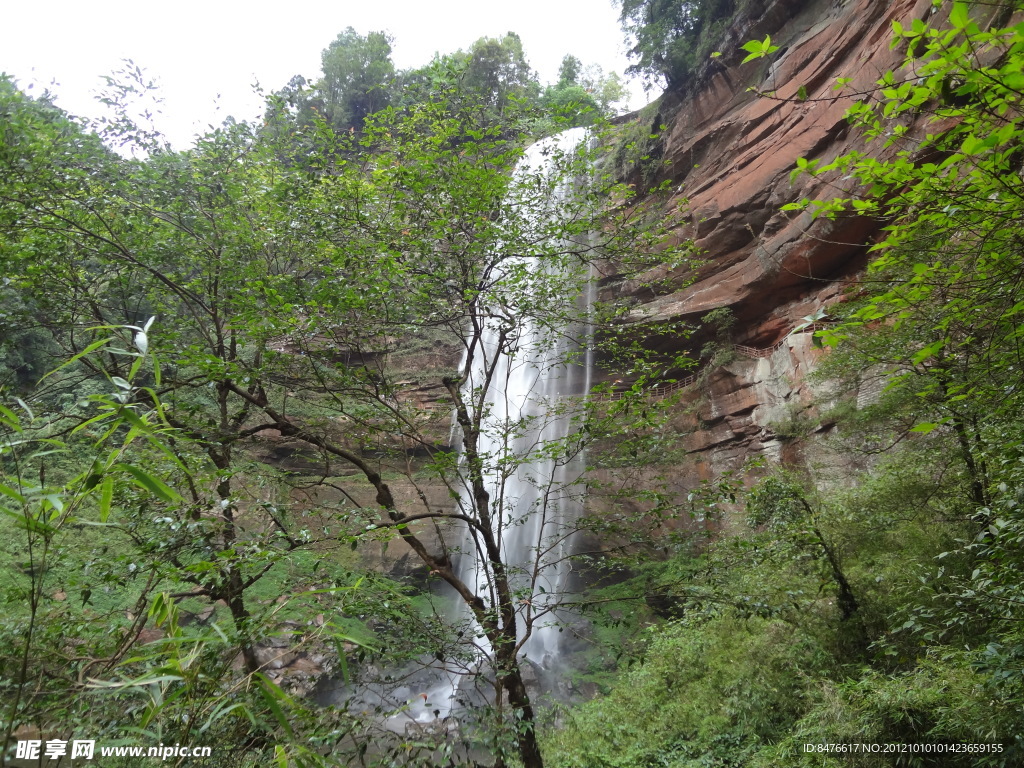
(757, 353)
(658, 393)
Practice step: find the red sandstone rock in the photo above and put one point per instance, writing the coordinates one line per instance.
(729, 151)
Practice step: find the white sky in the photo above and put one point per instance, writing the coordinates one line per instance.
(205, 54)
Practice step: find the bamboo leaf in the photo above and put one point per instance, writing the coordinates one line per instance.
(149, 482)
(88, 350)
(106, 497)
(272, 694)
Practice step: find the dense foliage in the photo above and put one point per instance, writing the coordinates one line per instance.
(673, 38)
(359, 79)
(882, 608)
(285, 287)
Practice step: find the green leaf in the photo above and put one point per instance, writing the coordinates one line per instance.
(133, 418)
(25, 408)
(9, 420)
(6, 490)
(55, 501)
(959, 17)
(758, 49)
(929, 351)
(106, 497)
(149, 482)
(88, 350)
(94, 420)
(273, 695)
(222, 709)
(971, 145)
(752, 46)
(141, 682)
(342, 661)
(29, 522)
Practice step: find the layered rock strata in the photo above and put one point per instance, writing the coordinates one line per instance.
(728, 147)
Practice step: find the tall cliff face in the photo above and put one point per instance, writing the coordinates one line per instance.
(728, 147)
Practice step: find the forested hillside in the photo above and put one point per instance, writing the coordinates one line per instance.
(262, 469)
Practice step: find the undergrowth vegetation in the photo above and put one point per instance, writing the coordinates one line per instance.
(873, 600)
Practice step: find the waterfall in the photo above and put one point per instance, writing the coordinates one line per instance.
(527, 409)
(535, 384)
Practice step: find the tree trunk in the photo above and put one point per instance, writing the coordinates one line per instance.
(232, 588)
(235, 598)
(522, 713)
(848, 605)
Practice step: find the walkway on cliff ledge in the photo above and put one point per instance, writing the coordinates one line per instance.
(665, 390)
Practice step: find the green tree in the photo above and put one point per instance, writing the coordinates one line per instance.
(134, 662)
(498, 75)
(672, 38)
(920, 555)
(582, 95)
(357, 77)
(782, 504)
(940, 323)
(569, 71)
(127, 238)
(284, 293)
(606, 88)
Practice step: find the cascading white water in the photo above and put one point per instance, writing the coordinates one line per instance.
(537, 380)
